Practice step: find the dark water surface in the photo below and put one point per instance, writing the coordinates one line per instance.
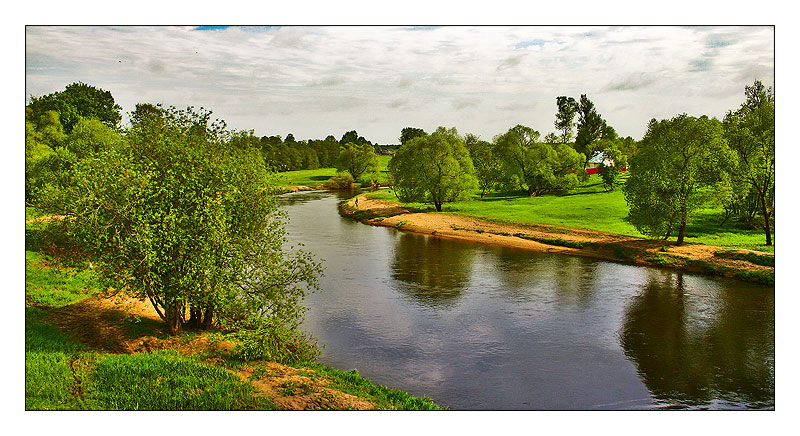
(482, 327)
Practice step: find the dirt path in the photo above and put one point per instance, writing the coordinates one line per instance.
(546, 238)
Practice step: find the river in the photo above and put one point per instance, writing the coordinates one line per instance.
(479, 327)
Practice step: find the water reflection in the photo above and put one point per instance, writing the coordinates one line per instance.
(697, 345)
(431, 271)
(572, 280)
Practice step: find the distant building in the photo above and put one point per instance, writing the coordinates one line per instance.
(596, 159)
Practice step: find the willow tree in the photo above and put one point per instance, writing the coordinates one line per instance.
(539, 167)
(433, 169)
(675, 172)
(177, 216)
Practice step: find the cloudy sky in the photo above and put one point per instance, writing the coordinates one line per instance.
(316, 81)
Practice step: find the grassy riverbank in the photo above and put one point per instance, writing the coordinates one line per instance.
(570, 224)
(86, 349)
(316, 178)
(590, 207)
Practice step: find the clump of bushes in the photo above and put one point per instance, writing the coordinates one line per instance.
(340, 182)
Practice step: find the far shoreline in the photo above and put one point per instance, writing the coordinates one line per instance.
(690, 257)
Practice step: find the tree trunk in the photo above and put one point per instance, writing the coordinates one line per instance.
(681, 233)
(208, 317)
(766, 219)
(195, 317)
(174, 320)
(438, 205)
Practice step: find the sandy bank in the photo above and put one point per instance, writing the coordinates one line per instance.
(556, 239)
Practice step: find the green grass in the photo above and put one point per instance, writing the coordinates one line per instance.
(590, 207)
(383, 397)
(169, 381)
(314, 178)
(49, 284)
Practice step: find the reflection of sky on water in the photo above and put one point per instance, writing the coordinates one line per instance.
(484, 327)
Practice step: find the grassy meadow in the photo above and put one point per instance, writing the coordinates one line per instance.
(314, 178)
(590, 207)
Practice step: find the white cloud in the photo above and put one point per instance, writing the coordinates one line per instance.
(314, 80)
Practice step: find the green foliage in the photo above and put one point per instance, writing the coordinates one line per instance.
(488, 166)
(357, 160)
(409, 133)
(611, 165)
(168, 381)
(567, 108)
(433, 169)
(539, 167)
(341, 182)
(591, 127)
(750, 132)
(178, 216)
(78, 100)
(268, 340)
(674, 173)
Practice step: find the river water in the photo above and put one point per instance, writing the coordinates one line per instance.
(479, 327)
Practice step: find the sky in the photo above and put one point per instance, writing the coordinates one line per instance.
(314, 81)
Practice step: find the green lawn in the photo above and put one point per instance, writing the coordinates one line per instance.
(313, 178)
(591, 207)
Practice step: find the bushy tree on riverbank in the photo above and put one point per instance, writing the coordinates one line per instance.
(675, 173)
(357, 159)
(435, 168)
(178, 216)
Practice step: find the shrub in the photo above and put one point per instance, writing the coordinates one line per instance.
(340, 182)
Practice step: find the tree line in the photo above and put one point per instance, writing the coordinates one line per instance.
(680, 166)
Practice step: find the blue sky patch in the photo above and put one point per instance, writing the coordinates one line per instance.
(211, 27)
(523, 44)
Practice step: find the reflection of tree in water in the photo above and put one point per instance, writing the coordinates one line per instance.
(525, 275)
(432, 271)
(694, 349)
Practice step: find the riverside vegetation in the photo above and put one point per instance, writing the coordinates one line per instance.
(179, 212)
(84, 352)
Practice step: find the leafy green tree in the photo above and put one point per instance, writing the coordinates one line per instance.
(90, 136)
(591, 127)
(78, 100)
(675, 173)
(435, 168)
(567, 108)
(552, 139)
(537, 166)
(180, 217)
(750, 132)
(357, 160)
(409, 133)
(488, 166)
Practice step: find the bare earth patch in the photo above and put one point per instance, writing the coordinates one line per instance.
(443, 225)
(292, 390)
